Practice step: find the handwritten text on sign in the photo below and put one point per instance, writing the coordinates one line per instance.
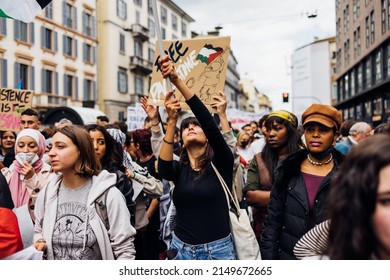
(201, 63)
(12, 103)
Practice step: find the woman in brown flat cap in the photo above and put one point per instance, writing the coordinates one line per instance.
(300, 190)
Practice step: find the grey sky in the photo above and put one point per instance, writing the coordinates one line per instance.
(264, 34)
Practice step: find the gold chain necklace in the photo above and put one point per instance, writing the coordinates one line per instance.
(319, 163)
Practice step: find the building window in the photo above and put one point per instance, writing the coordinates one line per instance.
(24, 76)
(150, 7)
(139, 85)
(24, 32)
(70, 46)
(70, 86)
(388, 60)
(88, 24)
(378, 67)
(367, 32)
(383, 16)
(138, 3)
(122, 49)
(358, 41)
(345, 55)
(377, 106)
(338, 24)
(360, 78)
(151, 28)
(348, 52)
(138, 49)
(367, 109)
(49, 11)
(47, 81)
(122, 80)
(69, 16)
(164, 15)
(89, 90)
(352, 76)
(346, 86)
(174, 22)
(344, 21)
(347, 17)
(183, 29)
(359, 112)
(372, 27)
(49, 39)
(354, 44)
(163, 33)
(88, 53)
(357, 8)
(368, 73)
(121, 9)
(151, 54)
(137, 17)
(3, 73)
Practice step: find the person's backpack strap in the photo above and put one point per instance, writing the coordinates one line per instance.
(101, 208)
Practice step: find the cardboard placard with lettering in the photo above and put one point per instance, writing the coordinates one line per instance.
(12, 103)
(200, 62)
(135, 117)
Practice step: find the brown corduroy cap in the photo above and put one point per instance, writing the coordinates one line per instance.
(323, 114)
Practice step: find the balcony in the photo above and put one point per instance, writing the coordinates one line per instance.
(139, 32)
(44, 100)
(140, 65)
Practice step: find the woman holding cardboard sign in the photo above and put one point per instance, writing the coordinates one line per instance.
(202, 221)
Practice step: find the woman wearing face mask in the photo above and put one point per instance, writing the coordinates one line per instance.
(28, 174)
(299, 194)
(243, 142)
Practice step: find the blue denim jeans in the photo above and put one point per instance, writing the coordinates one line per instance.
(221, 249)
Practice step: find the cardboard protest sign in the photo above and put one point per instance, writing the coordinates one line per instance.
(200, 62)
(135, 117)
(12, 103)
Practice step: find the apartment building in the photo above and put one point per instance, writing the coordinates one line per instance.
(363, 59)
(55, 55)
(127, 38)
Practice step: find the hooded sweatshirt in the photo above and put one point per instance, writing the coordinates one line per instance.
(116, 243)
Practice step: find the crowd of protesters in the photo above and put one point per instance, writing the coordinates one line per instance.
(101, 192)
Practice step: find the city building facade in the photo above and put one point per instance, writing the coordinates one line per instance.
(363, 59)
(313, 74)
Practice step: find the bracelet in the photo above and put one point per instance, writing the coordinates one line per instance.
(133, 175)
(170, 143)
(155, 124)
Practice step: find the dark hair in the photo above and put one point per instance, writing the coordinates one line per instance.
(208, 154)
(142, 137)
(382, 128)
(87, 164)
(262, 120)
(352, 200)
(113, 158)
(122, 126)
(128, 138)
(4, 131)
(102, 118)
(270, 156)
(345, 127)
(30, 112)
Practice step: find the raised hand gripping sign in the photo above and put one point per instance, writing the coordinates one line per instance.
(200, 62)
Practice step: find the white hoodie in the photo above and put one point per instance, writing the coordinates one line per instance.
(117, 243)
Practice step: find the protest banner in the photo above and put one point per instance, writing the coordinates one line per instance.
(12, 103)
(200, 62)
(135, 117)
(239, 118)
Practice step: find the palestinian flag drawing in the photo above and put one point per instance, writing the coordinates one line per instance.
(208, 53)
(23, 10)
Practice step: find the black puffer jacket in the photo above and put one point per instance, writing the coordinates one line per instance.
(288, 209)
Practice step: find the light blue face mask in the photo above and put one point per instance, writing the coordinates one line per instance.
(31, 158)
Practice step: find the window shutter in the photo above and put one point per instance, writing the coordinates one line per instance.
(94, 55)
(76, 88)
(4, 72)
(75, 18)
(66, 85)
(94, 90)
(75, 48)
(43, 79)
(32, 34)
(84, 51)
(43, 35)
(63, 13)
(56, 41)
(84, 19)
(94, 27)
(16, 30)
(56, 83)
(4, 26)
(32, 76)
(17, 73)
(85, 93)
(64, 44)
